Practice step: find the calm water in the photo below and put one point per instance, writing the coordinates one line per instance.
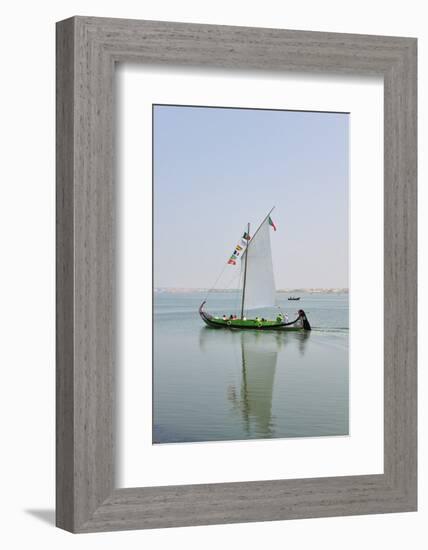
(213, 385)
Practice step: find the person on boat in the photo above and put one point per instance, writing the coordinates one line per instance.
(224, 317)
(286, 318)
(280, 318)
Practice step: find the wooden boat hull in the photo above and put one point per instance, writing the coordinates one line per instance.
(299, 324)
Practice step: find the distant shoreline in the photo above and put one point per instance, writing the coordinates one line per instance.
(284, 291)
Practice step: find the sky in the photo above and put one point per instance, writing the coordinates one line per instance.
(216, 169)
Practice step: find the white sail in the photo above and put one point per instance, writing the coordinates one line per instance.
(260, 283)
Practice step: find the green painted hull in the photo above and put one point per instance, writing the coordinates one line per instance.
(299, 324)
(249, 323)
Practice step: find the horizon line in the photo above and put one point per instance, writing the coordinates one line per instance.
(277, 290)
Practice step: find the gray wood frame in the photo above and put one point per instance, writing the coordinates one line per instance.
(87, 50)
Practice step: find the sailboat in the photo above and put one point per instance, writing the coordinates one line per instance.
(258, 287)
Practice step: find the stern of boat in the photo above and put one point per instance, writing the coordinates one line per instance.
(305, 323)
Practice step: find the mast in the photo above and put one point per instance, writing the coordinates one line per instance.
(245, 275)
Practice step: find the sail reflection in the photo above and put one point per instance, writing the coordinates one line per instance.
(258, 363)
(255, 362)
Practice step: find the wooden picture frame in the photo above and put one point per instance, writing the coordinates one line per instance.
(87, 50)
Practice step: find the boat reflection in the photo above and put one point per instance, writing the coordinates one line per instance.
(255, 364)
(258, 364)
(302, 338)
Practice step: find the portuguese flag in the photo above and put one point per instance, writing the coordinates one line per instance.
(272, 224)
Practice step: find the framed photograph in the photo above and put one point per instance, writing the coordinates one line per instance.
(236, 274)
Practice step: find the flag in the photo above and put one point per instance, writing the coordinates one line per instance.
(235, 252)
(272, 224)
(233, 262)
(238, 247)
(246, 236)
(244, 243)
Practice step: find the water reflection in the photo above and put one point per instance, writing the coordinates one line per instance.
(258, 374)
(302, 338)
(256, 358)
(220, 385)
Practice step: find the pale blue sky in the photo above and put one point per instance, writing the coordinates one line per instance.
(217, 169)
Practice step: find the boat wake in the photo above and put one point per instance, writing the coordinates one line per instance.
(343, 330)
